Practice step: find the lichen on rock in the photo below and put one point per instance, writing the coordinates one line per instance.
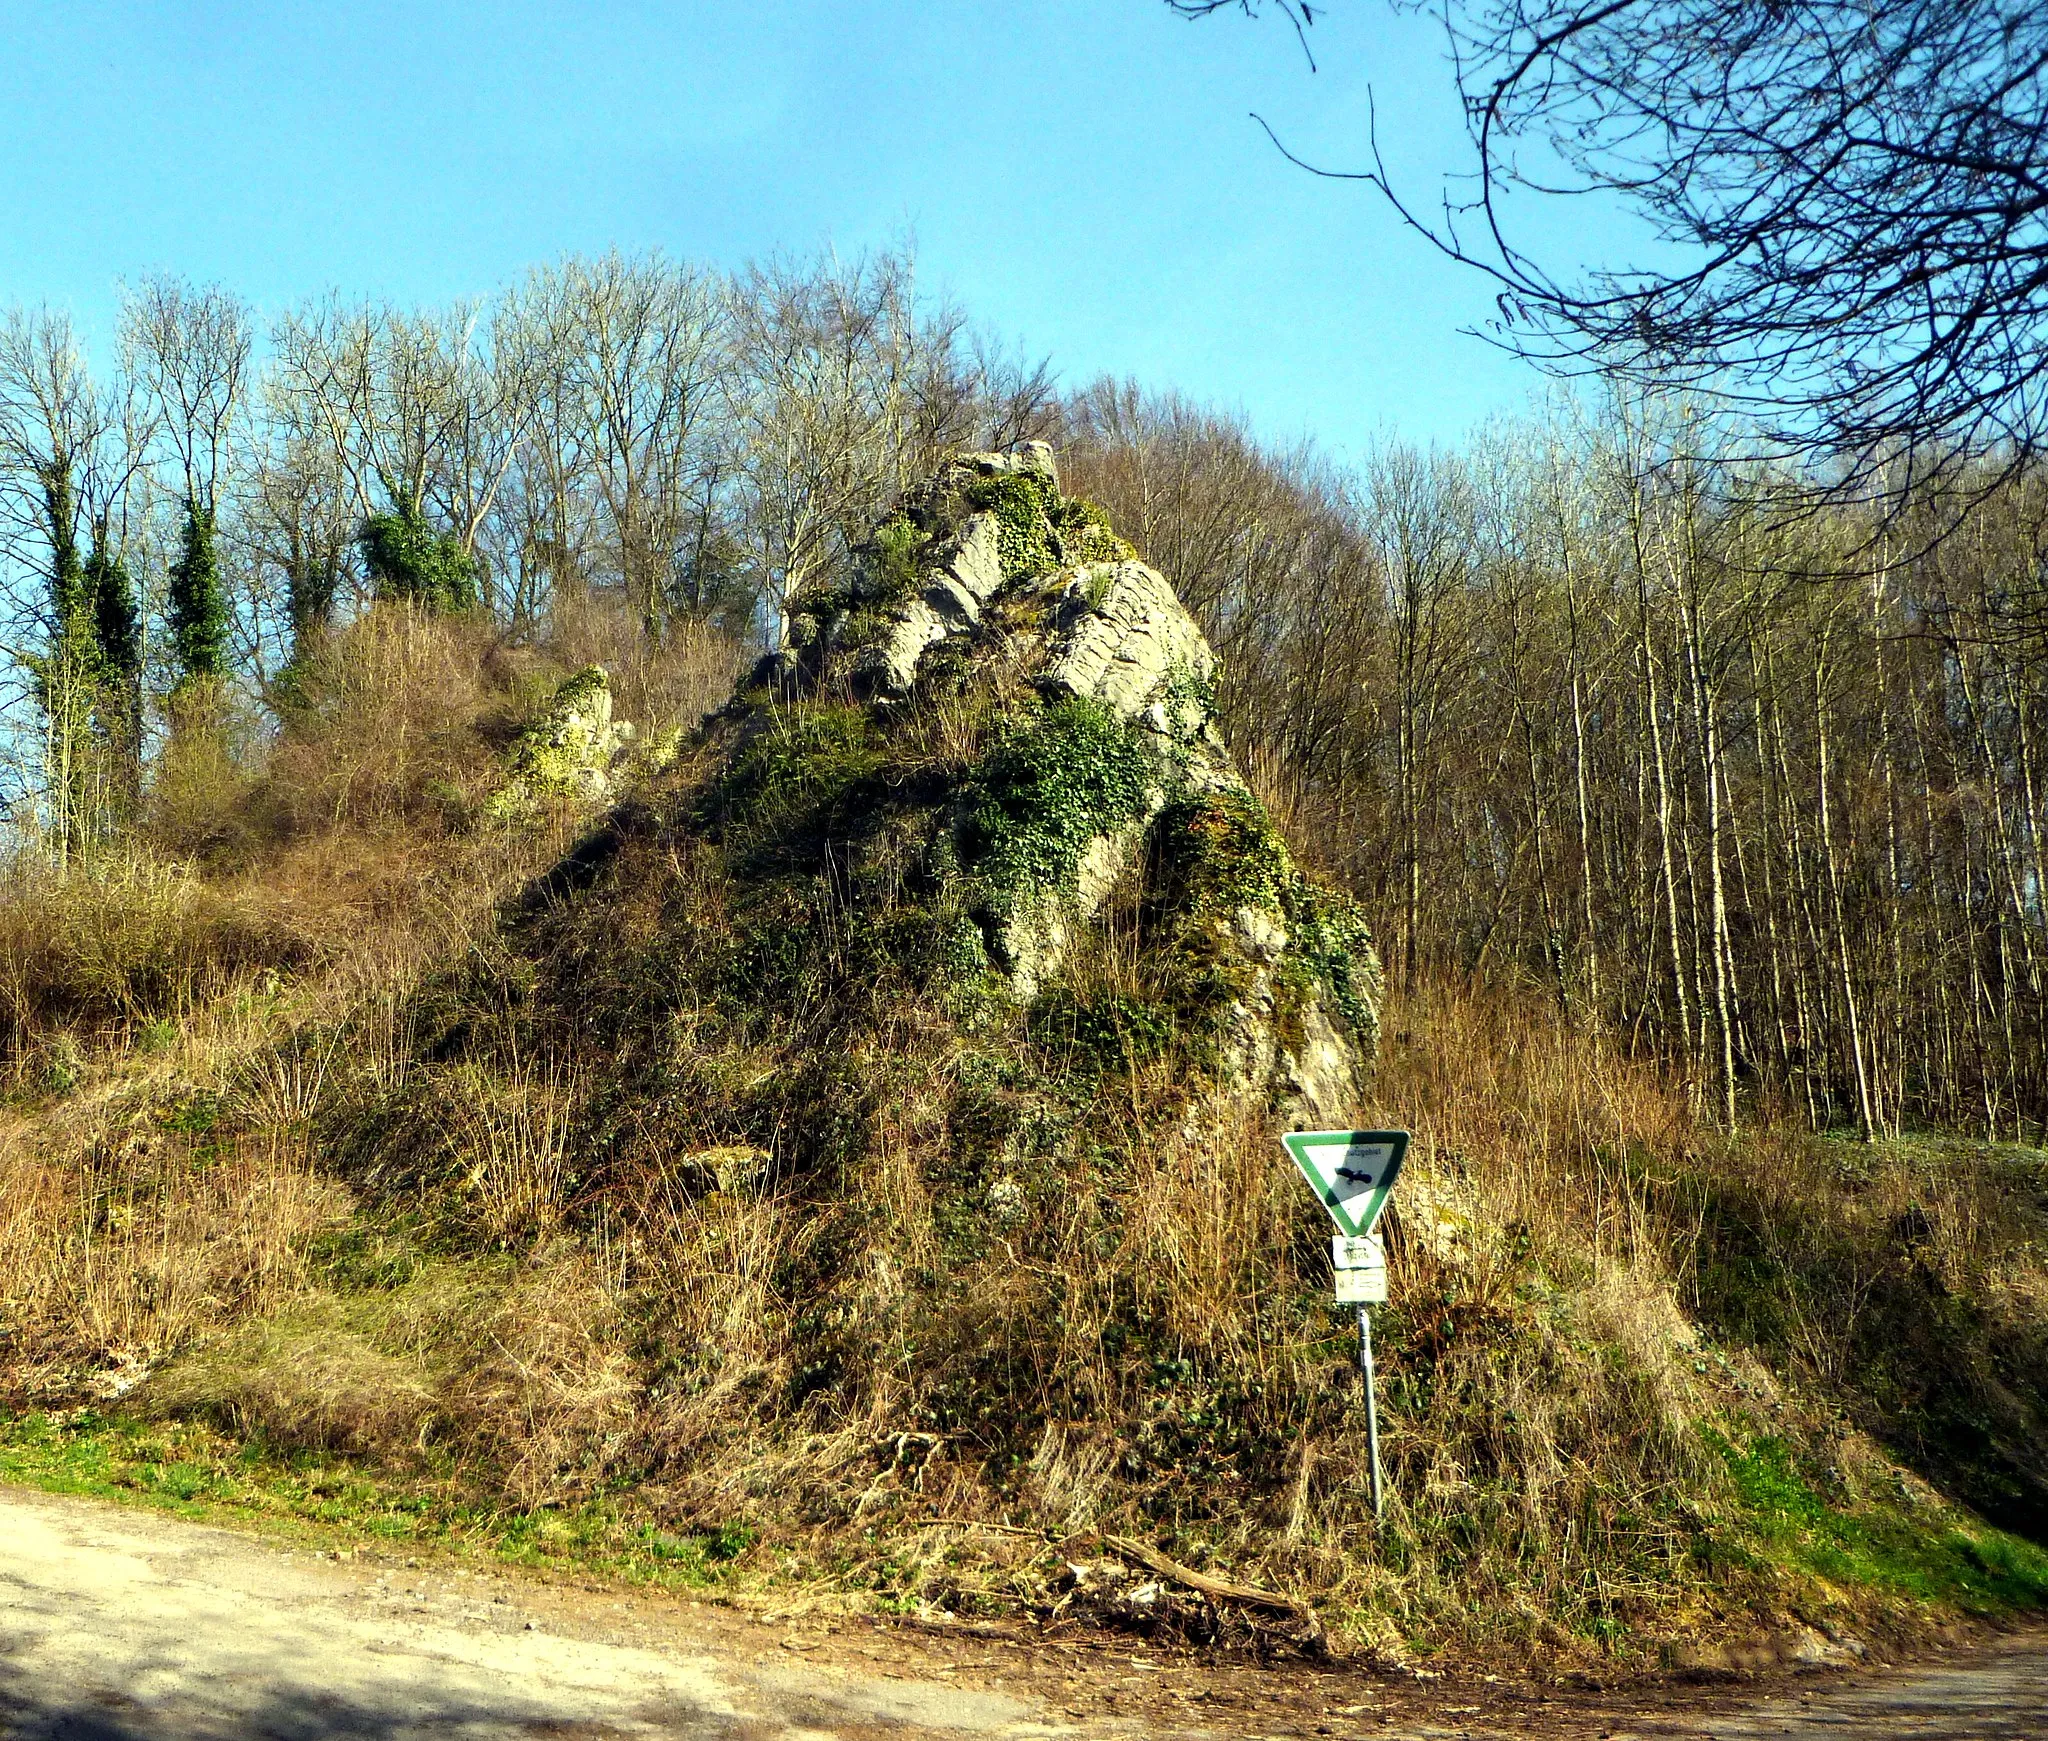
(1099, 756)
(575, 750)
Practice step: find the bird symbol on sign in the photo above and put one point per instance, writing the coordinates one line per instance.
(1352, 1172)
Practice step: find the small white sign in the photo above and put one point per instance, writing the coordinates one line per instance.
(1370, 1252)
(1362, 1287)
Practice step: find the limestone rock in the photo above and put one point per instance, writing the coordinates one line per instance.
(1319, 1073)
(889, 665)
(1127, 643)
(1027, 458)
(970, 575)
(948, 602)
(574, 750)
(1102, 764)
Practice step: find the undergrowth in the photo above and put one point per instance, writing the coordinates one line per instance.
(673, 1195)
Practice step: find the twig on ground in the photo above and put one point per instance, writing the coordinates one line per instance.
(1218, 1589)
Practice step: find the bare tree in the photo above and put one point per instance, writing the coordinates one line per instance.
(420, 415)
(847, 389)
(190, 350)
(1850, 199)
(629, 355)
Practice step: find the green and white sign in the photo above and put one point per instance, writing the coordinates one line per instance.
(1352, 1172)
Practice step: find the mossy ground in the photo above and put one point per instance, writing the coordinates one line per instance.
(195, 1471)
(1790, 1510)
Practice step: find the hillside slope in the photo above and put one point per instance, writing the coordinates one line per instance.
(847, 1162)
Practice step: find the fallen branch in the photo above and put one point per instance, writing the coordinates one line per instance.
(1044, 1535)
(1217, 1589)
(952, 1626)
(1221, 1589)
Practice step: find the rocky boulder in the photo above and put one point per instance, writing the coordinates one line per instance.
(909, 1047)
(575, 751)
(991, 604)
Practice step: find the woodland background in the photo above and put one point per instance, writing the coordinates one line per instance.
(1746, 779)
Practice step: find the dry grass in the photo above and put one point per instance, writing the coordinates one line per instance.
(114, 1257)
(513, 1133)
(121, 944)
(689, 1188)
(175, 1019)
(511, 1366)
(305, 1378)
(1545, 1384)
(673, 681)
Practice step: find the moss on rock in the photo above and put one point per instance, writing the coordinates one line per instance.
(570, 752)
(1054, 780)
(1229, 858)
(1024, 504)
(893, 563)
(1086, 534)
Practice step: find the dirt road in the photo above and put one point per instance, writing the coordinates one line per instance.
(127, 1626)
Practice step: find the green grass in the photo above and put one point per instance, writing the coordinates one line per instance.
(1873, 1545)
(194, 1472)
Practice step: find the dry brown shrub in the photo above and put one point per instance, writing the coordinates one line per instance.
(543, 1392)
(164, 1204)
(1535, 1119)
(671, 681)
(126, 941)
(390, 723)
(199, 787)
(121, 1251)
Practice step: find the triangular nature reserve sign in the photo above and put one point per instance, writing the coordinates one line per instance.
(1351, 1171)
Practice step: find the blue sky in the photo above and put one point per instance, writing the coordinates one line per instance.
(1081, 175)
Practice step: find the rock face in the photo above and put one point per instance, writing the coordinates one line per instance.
(990, 598)
(575, 750)
(570, 751)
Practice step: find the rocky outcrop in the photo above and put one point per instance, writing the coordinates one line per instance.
(1127, 643)
(1101, 762)
(574, 751)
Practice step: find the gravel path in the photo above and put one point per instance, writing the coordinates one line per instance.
(120, 1625)
(117, 1624)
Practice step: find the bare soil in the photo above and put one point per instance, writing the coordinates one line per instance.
(130, 1626)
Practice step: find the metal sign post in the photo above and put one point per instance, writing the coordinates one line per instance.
(1352, 1173)
(1372, 1407)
